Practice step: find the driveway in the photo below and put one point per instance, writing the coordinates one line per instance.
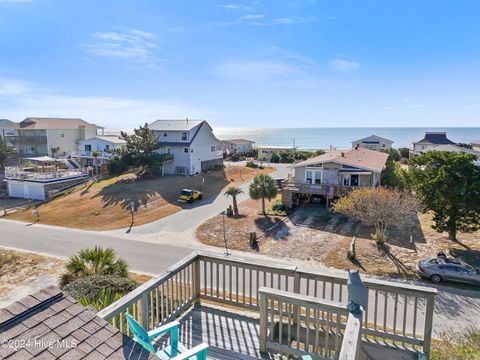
(186, 221)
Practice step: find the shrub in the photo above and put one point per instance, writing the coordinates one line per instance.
(279, 208)
(252, 153)
(275, 159)
(404, 152)
(235, 157)
(464, 347)
(378, 207)
(96, 261)
(116, 166)
(91, 288)
(286, 157)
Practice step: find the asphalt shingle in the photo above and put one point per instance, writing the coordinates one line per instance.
(52, 325)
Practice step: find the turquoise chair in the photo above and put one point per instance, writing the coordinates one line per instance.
(176, 351)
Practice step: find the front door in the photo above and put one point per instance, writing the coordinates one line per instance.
(353, 180)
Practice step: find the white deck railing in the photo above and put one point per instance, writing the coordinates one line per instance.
(15, 173)
(398, 315)
(89, 154)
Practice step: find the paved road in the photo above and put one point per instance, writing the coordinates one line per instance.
(153, 249)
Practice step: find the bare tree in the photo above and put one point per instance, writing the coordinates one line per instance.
(378, 207)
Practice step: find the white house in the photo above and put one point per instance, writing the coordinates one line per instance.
(241, 146)
(373, 142)
(431, 141)
(192, 144)
(7, 130)
(37, 136)
(456, 149)
(476, 145)
(101, 145)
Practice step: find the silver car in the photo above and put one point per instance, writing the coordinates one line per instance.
(447, 269)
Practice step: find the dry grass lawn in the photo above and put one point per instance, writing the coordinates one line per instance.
(23, 273)
(105, 205)
(313, 234)
(237, 229)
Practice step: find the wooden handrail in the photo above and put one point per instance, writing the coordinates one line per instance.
(240, 282)
(351, 340)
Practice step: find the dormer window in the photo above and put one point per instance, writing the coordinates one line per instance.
(184, 136)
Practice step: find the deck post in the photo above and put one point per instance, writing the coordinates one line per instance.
(352, 337)
(196, 279)
(144, 310)
(427, 331)
(296, 289)
(263, 322)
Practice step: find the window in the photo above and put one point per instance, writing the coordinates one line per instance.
(165, 133)
(212, 148)
(184, 136)
(185, 150)
(318, 177)
(309, 176)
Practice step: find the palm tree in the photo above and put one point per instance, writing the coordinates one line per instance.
(95, 155)
(55, 150)
(263, 186)
(234, 191)
(96, 261)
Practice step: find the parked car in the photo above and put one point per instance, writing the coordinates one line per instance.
(190, 196)
(448, 269)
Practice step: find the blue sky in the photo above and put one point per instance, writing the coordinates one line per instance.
(243, 63)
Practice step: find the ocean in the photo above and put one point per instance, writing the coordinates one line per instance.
(323, 138)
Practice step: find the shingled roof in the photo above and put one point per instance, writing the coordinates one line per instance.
(52, 325)
(438, 138)
(361, 158)
(55, 123)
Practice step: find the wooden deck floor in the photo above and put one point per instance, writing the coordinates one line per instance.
(230, 335)
(234, 335)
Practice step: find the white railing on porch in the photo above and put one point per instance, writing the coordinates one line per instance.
(398, 314)
(16, 173)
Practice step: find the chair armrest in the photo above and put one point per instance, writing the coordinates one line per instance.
(163, 329)
(193, 351)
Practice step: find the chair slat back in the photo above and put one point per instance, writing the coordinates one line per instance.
(141, 335)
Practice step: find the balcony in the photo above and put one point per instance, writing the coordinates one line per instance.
(89, 154)
(251, 310)
(17, 140)
(321, 189)
(23, 174)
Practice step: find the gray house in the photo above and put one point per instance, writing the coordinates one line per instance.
(333, 174)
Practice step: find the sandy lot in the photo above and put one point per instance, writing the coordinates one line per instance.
(105, 205)
(311, 233)
(23, 273)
